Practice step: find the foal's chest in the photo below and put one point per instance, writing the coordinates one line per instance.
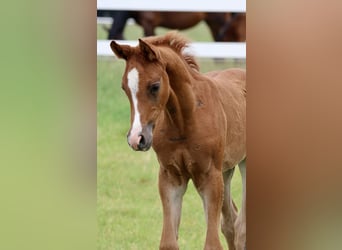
(183, 161)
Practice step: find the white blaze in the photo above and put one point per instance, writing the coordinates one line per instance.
(133, 84)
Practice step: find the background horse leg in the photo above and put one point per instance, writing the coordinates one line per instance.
(240, 223)
(229, 210)
(171, 190)
(215, 22)
(118, 26)
(149, 21)
(210, 187)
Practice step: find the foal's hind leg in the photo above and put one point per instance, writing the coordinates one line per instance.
(240, 223)
(229, 210)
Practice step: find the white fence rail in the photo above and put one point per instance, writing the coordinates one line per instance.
(199, 49)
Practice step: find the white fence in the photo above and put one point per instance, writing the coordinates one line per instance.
(199, 49)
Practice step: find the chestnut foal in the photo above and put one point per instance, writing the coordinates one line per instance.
(196, 125)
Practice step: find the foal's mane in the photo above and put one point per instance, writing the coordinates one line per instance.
(177, 43)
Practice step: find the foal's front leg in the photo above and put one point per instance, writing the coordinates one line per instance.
(171, 190)
(210, 187)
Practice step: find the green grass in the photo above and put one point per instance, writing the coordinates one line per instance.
(129, 209)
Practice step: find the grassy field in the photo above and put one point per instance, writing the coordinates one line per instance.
(129, 209)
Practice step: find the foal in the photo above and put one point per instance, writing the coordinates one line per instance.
(196, 125)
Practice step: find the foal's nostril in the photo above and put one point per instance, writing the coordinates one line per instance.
(142, 142)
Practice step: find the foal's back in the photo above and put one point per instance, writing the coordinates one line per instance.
(229, 76)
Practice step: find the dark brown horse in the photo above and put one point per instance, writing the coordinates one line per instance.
(234, 29)
(196, 125)
(223, 26)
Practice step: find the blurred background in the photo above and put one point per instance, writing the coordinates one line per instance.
(51, 123)
(216, 33)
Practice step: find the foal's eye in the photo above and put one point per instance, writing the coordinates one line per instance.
(154, 88)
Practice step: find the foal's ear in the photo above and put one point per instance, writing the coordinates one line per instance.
(147, 50)
(121, 51)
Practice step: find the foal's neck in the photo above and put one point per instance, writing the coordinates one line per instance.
(181, 103)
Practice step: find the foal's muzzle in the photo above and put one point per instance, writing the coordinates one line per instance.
(143, 140)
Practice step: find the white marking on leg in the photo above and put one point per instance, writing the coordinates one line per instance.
(133, 84)
(176, 197)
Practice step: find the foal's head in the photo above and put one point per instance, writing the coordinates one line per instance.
(146, 85)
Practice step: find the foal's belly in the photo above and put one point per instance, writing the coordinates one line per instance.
(230, 161)
(234, 153)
